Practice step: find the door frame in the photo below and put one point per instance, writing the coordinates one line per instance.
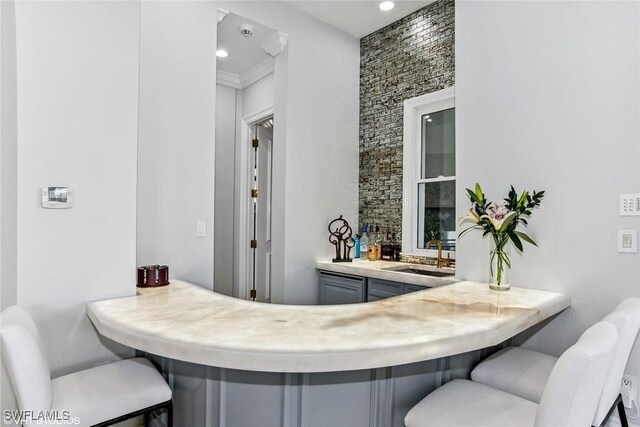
(242, 221)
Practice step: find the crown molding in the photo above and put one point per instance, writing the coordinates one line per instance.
(226, 78)
(249, 77)
(222, 14)
(257, 72)
(275, 44)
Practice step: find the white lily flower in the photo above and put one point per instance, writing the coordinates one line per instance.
(499, 216)
(472, 217)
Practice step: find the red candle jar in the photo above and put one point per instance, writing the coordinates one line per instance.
(150, 276)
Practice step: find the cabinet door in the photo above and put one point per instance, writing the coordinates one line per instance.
(380, 289)
(338, 289)
(375, 297)
(413, 288)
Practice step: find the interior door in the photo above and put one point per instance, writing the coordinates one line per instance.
(263, 174)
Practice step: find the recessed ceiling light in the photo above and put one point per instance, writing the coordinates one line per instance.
(387, 5)
(221, 53)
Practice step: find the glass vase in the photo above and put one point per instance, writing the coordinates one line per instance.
(500, 265)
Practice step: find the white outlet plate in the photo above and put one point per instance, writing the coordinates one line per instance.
(628, 241)
(630, 204)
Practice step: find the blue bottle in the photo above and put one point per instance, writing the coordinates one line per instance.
(357, 246)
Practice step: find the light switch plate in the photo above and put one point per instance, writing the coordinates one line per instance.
(628, 241)
(201, 229)
(630, 204)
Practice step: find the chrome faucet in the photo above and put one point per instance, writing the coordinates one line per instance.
(440, 262)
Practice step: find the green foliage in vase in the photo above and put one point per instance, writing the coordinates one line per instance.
(501, 220)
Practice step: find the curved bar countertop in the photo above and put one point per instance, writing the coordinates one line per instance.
(185, 322)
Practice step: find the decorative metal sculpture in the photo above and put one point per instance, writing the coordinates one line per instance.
(341, 236)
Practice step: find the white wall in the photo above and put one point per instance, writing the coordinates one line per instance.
(548, 97)
(176, 137)
(77, 67)
(8, 178)
(226, 124)
(315, 142)
(258, 95)
(8, 156)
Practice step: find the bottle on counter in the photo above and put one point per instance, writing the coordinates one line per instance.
(396, 247)
(387, 246)
(356, 246)
(378, 243)
(371, 256)
(364, 243)
(372, 252)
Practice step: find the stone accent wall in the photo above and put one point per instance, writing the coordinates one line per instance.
(408, 58)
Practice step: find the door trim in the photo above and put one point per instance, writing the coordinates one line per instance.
(242, 223)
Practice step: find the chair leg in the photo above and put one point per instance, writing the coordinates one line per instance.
(622, 414)
(170, 414)
(147, 414)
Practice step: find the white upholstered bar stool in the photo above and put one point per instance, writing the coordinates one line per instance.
(569, 398)
(524, 372)
(97, 396)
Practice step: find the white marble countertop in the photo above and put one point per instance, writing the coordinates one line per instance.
(185, 322)
(384, 270)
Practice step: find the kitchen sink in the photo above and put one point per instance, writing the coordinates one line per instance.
(421, 272)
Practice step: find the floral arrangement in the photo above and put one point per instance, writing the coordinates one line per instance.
(501, 220)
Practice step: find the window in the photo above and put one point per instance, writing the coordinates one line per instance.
(429, 173)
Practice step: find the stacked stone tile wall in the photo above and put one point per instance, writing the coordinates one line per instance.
(408, 58)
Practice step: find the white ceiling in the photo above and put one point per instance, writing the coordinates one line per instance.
(244, 52)
(359, 17)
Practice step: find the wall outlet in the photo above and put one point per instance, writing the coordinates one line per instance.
(628, 241)
(629, 390)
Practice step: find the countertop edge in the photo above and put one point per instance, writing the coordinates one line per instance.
(326, 361)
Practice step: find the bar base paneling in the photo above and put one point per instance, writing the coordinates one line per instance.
(217, 397)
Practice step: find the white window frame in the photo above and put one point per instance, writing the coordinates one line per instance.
(414, 109)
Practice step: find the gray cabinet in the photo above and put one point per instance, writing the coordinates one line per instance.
(374, 297)
(380, 289)
(334, 288)
(413, 288)
(340, 289)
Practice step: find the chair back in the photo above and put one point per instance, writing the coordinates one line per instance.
(18, 315)
(626, 317)
(24, 360)
(571, 394)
